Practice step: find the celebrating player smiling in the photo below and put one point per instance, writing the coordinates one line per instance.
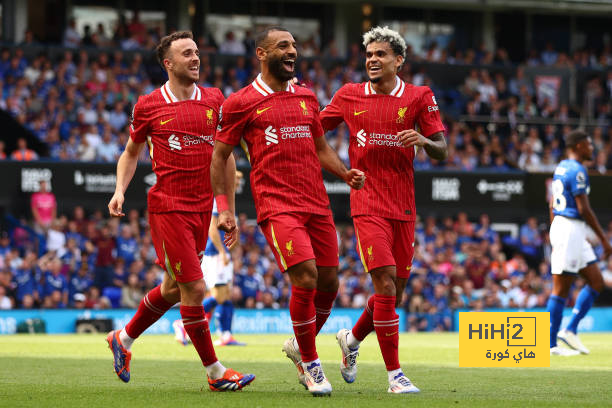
(280, 124)
(381, 115)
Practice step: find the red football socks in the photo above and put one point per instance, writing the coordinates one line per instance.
(386, 325)
(151, 308)
(323, 302)
(303, 316)
(196, 326)
(365, 324)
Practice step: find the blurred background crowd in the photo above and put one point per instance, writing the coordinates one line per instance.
(77, 102)
(84, 260)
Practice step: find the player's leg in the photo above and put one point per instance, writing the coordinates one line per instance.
(224, 314)
(287, 236)
(322, 233)
(564, 267)
(586, 297)
(183, 264)
(151, 307)
(209, 269)
(561, 286)
(403, 253)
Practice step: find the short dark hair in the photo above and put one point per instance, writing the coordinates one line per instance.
(166, 42)
(261, 37)
(575, 137)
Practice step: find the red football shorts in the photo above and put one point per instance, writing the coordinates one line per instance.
(298, 237)
(383, 242)
(179, 239)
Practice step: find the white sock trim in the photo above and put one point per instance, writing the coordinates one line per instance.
(215, 371)
(126, 340)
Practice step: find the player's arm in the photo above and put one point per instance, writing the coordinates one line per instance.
(587, 214)
(434, 145)
(331, 116)
(215, 238)
(331, 162)
(222, 187)
(231, 238)
(126, 166)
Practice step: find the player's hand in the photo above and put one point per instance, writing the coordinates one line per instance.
(411, 137)
(225, 256)
(226, 221)
(115, 206)
(230, 241)
(355, 178)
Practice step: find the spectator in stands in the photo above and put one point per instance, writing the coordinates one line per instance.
(72, 39)
(231, 46)
(105, 258)
(131, 294)
(44, 207)
(22, 153)
(2, 146)
(531, 239)
(55, 287)
(5, 301)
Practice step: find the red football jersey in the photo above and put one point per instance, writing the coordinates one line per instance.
(278, 128)
(180, 137)
(374, 121)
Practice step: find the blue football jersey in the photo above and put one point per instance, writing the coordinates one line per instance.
(210, 249)
(569, 180)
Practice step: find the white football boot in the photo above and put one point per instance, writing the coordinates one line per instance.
(348, 366)
(402, 385)
(293, 354)
(560, 351)
(316, 382)
(572, 341)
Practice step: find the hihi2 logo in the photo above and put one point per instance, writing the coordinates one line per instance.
(504, 339)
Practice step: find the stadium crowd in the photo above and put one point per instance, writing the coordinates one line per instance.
(79, 105)
(96, 262)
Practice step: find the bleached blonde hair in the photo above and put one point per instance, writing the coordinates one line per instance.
(385, 34)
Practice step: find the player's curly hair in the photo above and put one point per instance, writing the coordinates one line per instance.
(575, 137)
(166, 42)
(385, 34)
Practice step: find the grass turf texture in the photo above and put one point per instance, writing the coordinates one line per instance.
(76, 370)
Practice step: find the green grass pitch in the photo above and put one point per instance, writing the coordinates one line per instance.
(76, 371)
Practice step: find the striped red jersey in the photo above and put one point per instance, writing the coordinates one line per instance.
(278, 128)
(180, 137)
(374, 121)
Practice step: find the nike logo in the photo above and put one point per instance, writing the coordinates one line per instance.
(302, 333)
(163, 122)
(359, 113)
(390, 334)
(260, 111)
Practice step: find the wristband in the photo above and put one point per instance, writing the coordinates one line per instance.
(222, 203)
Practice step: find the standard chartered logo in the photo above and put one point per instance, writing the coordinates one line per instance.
(361, 138)
(174, 142)
(287, 132)
(378, 139)
(271, 136)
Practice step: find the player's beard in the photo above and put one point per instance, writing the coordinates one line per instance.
(375, 80)
(277, 69)
(185, 77)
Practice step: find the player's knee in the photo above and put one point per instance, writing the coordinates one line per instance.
(304, 275)
(327, 279)
(171, 294)
(192, 293)
(597, 285)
